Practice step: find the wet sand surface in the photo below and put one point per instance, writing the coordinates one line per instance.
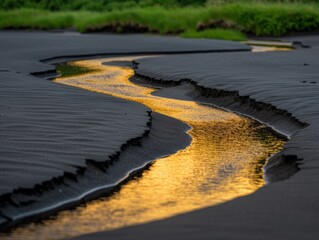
(224, 160)
(49, 131)
(288, 81)
(31, 104)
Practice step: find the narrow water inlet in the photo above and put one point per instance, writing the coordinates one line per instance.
(223, 162)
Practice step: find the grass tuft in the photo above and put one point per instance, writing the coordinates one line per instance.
(71, 70)
(217, 33)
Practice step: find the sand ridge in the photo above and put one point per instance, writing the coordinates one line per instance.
(286, 80)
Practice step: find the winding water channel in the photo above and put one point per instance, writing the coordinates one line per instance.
(224, 161)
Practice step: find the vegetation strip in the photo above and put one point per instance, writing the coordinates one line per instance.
(226, 21)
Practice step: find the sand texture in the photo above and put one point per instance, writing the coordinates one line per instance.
(265, 86)
(51, 132)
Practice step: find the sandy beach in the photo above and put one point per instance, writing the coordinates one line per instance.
(39, 118)
(262, 85)
(51, 134)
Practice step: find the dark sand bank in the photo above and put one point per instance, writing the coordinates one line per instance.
(282, 82)
(51, 132)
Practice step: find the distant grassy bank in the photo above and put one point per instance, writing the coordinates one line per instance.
(226, 21)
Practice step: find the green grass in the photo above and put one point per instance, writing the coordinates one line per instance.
(272, 19)
(217, 33)
(96, 5)
(110, 5)
(35, 19)
(155, 19)
(69, 70)
(261, 19)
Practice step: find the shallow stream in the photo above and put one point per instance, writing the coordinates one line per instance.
(224, 160)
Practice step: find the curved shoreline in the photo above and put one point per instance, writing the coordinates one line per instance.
(279, 166)
(198, 93)
(34, 212)
(101, 166)
(287, 209)
(81, 181)
(39, 117)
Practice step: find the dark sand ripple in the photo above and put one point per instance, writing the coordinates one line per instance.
(286, 82)
(49, 130)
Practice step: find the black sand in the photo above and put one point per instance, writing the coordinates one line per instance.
(51, 133)
(262, 85)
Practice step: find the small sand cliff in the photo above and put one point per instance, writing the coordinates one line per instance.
(279, 88)
(52, 134)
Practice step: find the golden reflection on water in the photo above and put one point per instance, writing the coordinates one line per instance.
(224, 161)
(256, 48)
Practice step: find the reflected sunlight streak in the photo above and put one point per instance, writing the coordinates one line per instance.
(224, 161)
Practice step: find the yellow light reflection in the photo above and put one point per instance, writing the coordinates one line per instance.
(259, 48)
(223, 162)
